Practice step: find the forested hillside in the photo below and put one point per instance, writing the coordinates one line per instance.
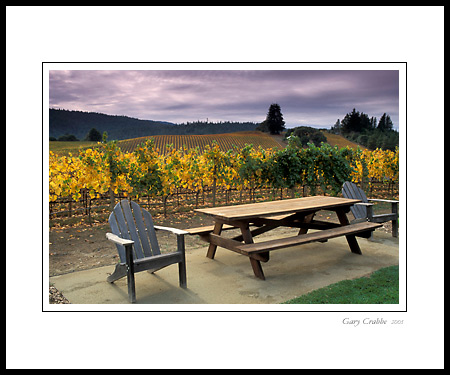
(78, 123)
(369, 132)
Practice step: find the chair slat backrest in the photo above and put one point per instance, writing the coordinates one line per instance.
(144, 223)
(351, 191)
(151, 232)
(131, 222)
(132, 228)
(113, 223)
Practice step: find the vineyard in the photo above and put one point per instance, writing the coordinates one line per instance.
(209, 175)
(225, 141)
(164, 143)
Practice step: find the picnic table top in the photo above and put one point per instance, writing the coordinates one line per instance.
(262, 209)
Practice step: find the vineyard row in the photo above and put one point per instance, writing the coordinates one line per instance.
(107, 170)
(65, 210)
(164, 143)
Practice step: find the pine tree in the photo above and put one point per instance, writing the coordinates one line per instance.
(385, 123)
(274, 119)
(351, 122)
(94, 135)
(389, 123)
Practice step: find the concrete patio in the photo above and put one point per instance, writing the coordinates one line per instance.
(229, 279)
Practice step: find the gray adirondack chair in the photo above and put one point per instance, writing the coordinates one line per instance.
(134, 234)
(363, 211)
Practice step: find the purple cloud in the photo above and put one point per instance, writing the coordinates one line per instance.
(307, 97)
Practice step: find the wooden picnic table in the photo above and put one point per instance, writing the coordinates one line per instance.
(266, 216)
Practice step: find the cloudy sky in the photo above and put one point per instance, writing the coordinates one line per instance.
(307, 97)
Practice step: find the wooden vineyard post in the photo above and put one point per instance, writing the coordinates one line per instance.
(214, 186)
(165, 204)
(196, 198)
(70, 208)
(111, 199)
(89, 212)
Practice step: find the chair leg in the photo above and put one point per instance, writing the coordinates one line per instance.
(395, 222)
(130, 274)
(395, 228)
(182, 274)
(182, 264)
(119, 272)
(131, 286)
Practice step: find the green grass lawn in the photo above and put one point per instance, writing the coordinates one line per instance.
(380, 287)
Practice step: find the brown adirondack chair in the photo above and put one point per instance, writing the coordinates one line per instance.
(364, 211)
(134, 234)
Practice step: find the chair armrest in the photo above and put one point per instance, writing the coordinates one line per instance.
(369, 209)
(120, 241)
(180, 237)
(172, 230)
(383, 200)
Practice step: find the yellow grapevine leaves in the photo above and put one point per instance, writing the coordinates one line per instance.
(146, 170)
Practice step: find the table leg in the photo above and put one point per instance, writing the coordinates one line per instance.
(351, 239)
(212, 248)
(306, 220)
(257, 269)
(256, 264)
(246, 234)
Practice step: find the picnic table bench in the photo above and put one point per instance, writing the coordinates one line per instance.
(266, 216)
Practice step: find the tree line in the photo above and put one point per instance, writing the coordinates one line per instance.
(355, 126)
(93, 135)
(65, 125)
(369, 132)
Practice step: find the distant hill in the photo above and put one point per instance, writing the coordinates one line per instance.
(340, 141)
(79, 123)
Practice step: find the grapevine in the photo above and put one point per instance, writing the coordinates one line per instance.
(147, 171)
